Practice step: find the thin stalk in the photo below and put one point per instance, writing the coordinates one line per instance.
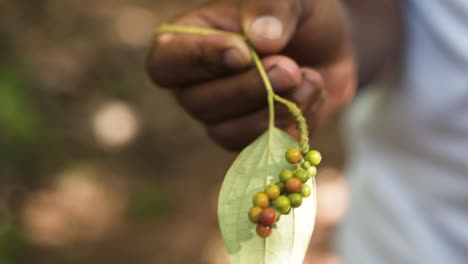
(172, 28)
(268, 87)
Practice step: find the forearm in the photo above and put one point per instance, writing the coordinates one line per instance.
(376, 28)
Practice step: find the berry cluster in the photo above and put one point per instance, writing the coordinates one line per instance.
(287, 193)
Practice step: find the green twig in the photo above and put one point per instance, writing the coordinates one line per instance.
(268, 87)
(172, 28)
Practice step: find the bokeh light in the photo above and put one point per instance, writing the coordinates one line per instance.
(79, 207)
(115, 124)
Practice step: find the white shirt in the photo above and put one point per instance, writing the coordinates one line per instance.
(408, 145)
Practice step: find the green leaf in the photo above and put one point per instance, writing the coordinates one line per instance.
(258, 165)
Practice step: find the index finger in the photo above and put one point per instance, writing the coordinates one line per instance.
(179, 59)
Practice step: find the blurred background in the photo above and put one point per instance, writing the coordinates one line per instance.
(99, 166)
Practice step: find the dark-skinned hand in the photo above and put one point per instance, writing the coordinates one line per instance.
(306, 50)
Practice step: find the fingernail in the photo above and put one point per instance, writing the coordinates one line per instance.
(316, 97)
(234, 58)
(280, 79)
(268, 27)
(306, 92)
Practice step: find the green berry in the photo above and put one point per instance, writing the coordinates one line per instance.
(281, 187)
(314, 157)
(293, 155)
(282, 204)
(263, 230)
(285, 175)
(312, 171)
(302, 175)
(293, 185)
(295, 199)
(305, 165)
(267, 216)
(254, 214)
(261, 200)
(306, 190)
(272, 191)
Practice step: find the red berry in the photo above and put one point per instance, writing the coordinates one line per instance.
(263, 230)
(267, 216)
(293, 185)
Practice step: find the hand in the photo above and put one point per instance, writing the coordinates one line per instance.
(306, 52)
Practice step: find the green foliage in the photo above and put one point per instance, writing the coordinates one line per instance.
(258, 165)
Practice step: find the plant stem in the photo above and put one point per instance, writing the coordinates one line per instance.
(267, 83)
(172, 28)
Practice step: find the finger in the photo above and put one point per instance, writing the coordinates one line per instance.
(240, 94)
(181, 59)
(178, 59)
(269, 25)
(311, 94)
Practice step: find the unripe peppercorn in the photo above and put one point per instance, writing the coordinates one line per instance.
(305, 165)
(293, 185)
(267, 216)
(260, 199)
(272, 191)
(293, 155)
(312, 171)
(302, 175)
(306, 190)
(281, 187)
(314, 157)
(295, 199)
(285, 175)
(282, 204)
(263, 230)
(254, 214)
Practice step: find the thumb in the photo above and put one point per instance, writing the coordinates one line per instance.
(270, 24)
